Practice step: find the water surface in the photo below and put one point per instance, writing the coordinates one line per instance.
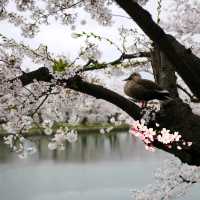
(96, 167)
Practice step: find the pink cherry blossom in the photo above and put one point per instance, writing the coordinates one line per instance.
(149, 135)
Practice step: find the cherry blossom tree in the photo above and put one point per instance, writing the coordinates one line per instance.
(23, 95)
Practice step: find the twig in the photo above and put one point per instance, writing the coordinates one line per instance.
(122, 16)
(45, 98)
(192, 98)
(186, 181)
(97, 65)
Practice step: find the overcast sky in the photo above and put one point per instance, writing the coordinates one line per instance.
(58, 37)
(59, 41)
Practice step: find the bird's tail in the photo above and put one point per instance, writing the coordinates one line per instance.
(164, 95)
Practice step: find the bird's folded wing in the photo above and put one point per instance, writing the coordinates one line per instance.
(149, 85)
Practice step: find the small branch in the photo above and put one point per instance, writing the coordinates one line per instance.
(122, 16)
(97, 66)
(35, 111)
(75, 4)
(186, 181)
(62, 8)
(192, 98)
(45, 98)
(30, 92)
(4, 61)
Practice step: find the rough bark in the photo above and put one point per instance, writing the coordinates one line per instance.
(174, 115)
(164, 72)
(155, 63)
(167, 78)
(177, 116)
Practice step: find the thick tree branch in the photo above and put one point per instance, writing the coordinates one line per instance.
(41, 74)
(177, 116)
(174, 115)
(76, 83)
(185, 63)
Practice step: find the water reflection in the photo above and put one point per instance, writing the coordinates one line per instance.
(95, 167)
(89, 148)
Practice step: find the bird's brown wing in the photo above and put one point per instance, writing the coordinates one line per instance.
(149, 85)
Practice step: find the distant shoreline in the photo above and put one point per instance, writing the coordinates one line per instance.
(80, 128)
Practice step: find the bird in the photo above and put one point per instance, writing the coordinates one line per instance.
(144, 90)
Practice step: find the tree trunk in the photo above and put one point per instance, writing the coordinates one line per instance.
(164, 72)
(177, 116)
(174, 115)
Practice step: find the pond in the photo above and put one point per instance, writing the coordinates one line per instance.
(100, 167)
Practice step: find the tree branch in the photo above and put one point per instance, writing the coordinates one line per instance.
(41, 74)
(76, 83)
(94, 65)
(192, 98)
(174, 115)
(185, 62)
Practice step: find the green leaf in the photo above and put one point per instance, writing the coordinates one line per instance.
(59, 65)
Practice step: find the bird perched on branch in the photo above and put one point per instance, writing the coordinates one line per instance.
(143, 89)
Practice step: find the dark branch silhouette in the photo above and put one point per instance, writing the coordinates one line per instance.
(76, 83)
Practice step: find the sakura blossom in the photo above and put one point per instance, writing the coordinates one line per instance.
(61, 136)
(48, 131)
(49, 105)
(149, 135)
(172, 181)
(72, 136)
(52, 146)
(9, 140)
(23, 147)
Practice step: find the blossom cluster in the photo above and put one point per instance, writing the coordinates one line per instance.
(62, 135)
(185, 28)
(47, 125)
(106, 130)
(172, 181)
(20, 145)
(149, 135)
(42, 12)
